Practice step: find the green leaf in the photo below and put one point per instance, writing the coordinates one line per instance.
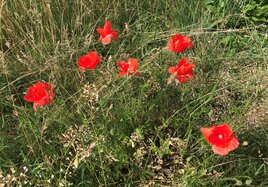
(238, 182)
(226, 40)
(216, 22)
(222, 4)
(249, 181)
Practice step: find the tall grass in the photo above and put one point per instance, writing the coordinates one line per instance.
(138, 131)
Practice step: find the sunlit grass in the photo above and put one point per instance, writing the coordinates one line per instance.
(137, 131)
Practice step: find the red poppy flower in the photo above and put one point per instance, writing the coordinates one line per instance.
(179, 43)
(89, 61)
(129, 67)
(107, 34)
(183, 70)
(41, 93)
(221, 138)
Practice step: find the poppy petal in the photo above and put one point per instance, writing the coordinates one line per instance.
(207, 132)
(106, 40)
(101, 32)
(220, 150)
(182, 62)
(234, 143)
(123, 66)
(89, 61)
(29, 96)
(182, 79)
(172, 69)
(114, 35)
(133, 64)
(107, 34)
(225, 150)
(107, 26)
(190, 75)
(83, 62)
(170, 46)
(189, 67)
(129, 67)
(178, 43)
(94, 57)
(40, 94)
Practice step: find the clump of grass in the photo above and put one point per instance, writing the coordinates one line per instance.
(106, 131)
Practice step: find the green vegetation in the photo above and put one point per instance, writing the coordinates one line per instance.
(102, 130)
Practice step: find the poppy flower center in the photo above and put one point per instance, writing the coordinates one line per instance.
(219, 139)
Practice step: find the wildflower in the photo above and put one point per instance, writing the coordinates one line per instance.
(89, 61)
(41, 93)
(178, 43)
(107, 34)
(221, 138)
(129, 67)
(183, 70)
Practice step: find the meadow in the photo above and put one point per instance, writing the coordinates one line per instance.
(106, 130)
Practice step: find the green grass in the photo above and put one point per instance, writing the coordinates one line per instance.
(140, 131)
